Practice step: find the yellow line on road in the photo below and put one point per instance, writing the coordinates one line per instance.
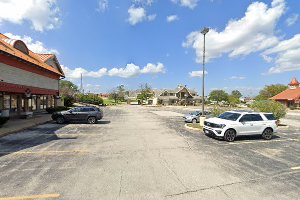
(44, 152)
(295, 168)
(43, 196)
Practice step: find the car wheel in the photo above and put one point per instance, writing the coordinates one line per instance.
(92, 120)
(267, 134)
(60, 120)
(230, 135)
(194, 121)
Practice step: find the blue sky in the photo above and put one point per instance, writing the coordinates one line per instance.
(130, 42)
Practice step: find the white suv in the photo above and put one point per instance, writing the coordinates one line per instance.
(232, 123)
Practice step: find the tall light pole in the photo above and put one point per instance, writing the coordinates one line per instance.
(204, 32)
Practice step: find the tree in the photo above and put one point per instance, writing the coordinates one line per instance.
(233, 100)
(270, 106)
(218, 96)
(145, 93)
(67, 88)
(121, 92)
(114, 95)
(236, 93)
(270, 90)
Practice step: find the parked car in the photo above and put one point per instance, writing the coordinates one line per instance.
(233, 123)
(194, 117)
(87, 114)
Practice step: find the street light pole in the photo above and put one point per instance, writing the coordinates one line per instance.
(204, 32)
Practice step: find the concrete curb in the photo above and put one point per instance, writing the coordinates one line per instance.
(23, 128)
(191, 128)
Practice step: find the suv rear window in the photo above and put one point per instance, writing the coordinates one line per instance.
(270, 116)
(251, 118)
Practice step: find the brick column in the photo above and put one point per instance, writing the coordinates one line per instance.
(19, 104)
(26, 106)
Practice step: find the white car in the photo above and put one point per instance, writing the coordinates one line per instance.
(233, 123)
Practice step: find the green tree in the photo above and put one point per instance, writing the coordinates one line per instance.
(145, 93)
(218, 96)
(233, 100)
(67, 88)
(236, 93)
(121, 92)
(270, 90)
(278, 109)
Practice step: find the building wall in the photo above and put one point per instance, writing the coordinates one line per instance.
(18, 76)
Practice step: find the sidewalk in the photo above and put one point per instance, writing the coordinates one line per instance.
(16, 125)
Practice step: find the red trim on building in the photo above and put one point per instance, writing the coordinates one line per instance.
(14, 88)
(9, 60)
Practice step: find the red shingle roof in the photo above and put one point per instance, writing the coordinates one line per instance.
(34, 58)
(294, 82)
(289, 95)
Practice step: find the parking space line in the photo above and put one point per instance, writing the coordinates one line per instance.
(295, 168)
(43, 196)
(45, 152)
(267, 141)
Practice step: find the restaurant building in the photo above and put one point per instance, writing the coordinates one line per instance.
(29, 82)
(291, 96)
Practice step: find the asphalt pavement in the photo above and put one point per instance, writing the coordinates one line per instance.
(140, 152)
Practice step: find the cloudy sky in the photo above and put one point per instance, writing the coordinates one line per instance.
(130, 42)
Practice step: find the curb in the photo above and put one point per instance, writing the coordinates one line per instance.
(191, 128)
(22, 129)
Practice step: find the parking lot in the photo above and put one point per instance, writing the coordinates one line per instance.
(146, 153)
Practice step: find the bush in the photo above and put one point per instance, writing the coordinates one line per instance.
(56, 109)
(69, 101)
(90, 99)
(217, 111)
(278, 109)
(3, 120)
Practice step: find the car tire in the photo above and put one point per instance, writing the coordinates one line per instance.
(230, 135)
(194, 121)
(92, 120)
(267, 134)
(60, 120)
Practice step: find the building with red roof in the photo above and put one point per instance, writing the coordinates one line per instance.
(29, 82)
(291, 96)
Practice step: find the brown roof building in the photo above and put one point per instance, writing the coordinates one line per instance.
(29, 82)
(291, 96)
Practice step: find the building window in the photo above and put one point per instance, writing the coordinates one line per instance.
(14, 103)
(1, 102)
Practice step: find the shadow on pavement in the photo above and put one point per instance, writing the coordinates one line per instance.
(29, 138)
(245, 138)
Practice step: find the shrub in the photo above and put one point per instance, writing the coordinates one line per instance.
(217, 111)
(3, 120)
(69, 101)
(56, 109)
(278, 109)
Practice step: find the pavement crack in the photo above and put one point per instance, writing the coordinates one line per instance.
(120, 185)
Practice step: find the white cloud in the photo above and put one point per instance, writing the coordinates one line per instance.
(187, 3)
(91, 88)
(143, 2)
(292, 19)
(138, 15)
(153, 69)
(34, 46)
(102, 5)
(151, 17)
(43, 14)
(286, 55)
(253, 32)
(130, 70)
(172, 18)
(197, 73)
(237, 78)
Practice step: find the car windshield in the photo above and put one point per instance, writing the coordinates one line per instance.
(195, 113)
(230, 116)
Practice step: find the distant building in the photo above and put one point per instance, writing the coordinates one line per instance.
(291, 96)
(29, 82)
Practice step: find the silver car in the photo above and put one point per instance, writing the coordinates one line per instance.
(194, 117)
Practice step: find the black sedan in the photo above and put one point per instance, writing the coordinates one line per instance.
(87, 114)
